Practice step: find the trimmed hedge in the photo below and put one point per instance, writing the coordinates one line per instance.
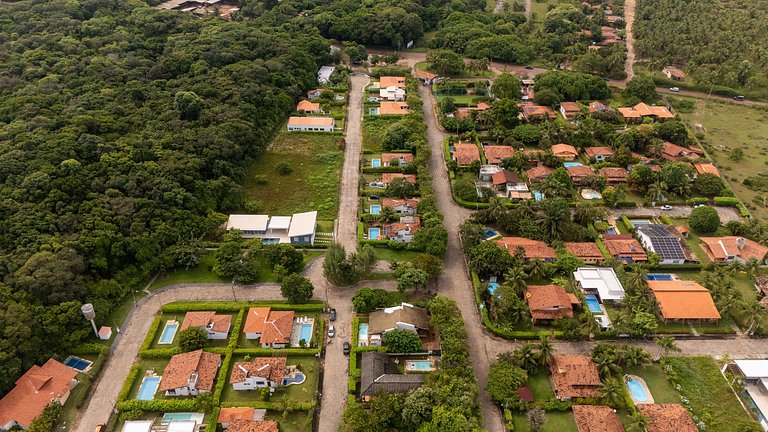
(221, 381)
(384, 169)
(212, 423)
(276, 352)
(273, 406)
(470, 205)
(151, 334)
(726, 201)
(360, 231)
(362, 349)
(666, 220)
(375, 243)
(235, 330)
(161, 353)
(159, 405)
(676, 267)
(603, 250)
(625, 204)
(696, 201)
(743, 210)
(90, 349)
(351, 381)
(128, 383)
(231, 307)
(627, 223)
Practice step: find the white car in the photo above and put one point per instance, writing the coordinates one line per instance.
(674, 89)
(331, 332)
(666, 207)
(699, 205)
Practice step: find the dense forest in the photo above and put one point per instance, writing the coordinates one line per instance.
(718, 42)
(124, 131)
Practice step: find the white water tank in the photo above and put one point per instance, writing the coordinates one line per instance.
(88, 312)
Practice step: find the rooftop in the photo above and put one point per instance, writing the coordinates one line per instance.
(548, 302)
(534, 249)
(385, 319)
(389, 81)
(579, 171)
(270, 368)
(393, 108)
(307, 106)
(602, 279)
(613, 173)
(203, 319)
(387, 178)
(574, 376)
(247, 222)
(583, 250)
(681, 299)
(642, 110)
(465, 154)
(625, 247)
(596, 418)
(538, 172)
(667, 418)
(408, 202)
(310, 121)
(496, 153)
(253, 426)
(274, 326)
(564, 149)
(182, 366)
(303, 224)
(227, 415)
(720, 248)
(505, 176)
(597, 151)
(379, 374)
(706, 168)
(753, 369)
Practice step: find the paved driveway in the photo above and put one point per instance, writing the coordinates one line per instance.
(727, 214)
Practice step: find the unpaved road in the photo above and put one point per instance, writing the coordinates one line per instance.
(629, 19)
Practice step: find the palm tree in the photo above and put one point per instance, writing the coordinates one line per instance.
(683, 189)
(527, 357)
(752, 266)
(612, 393)
(638, 423)
(553, 188)
(656, 190)
(753, 313)
(728, 303)
(387, 215)
(518, 312)
(515, 278)
(666, 344)
(536, 269)
(526, 209)
(587, 212)
(636, 356)
(588, 324)
(621, 191)
(546, 351)
(496, 209)
(636, 276)
(606, 365)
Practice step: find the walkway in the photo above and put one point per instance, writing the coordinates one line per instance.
(629, 18)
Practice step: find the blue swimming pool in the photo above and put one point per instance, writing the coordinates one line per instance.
(77, 363)
(169, 332)
(362, 334)
(374, 111)
(611, 231)
(538, 196)
(571, 164)
(374, 233)
(659, 277)
(490, 233)
(640, 223)
(182, 416)
(148, 388)
(375, 163)
(593, 304)
(419, 365)
(492, 287)
(297, 378)
(306, 333)
(637, 390)
(375, 209)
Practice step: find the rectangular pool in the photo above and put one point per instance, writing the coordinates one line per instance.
(375, 209)
(169, 332)
(148, 388)
(593, 304)
(640, 223)
(362, 335)
(659, 277)
(373, 233)
(571, 164)
(376, 163)
(306, 333)
(77, 363)
(182, 416)
(419, 365)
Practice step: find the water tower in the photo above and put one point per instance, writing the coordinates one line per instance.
(89, 313)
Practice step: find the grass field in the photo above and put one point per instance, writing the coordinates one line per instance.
(314, 183)
(556, 422)
(539, 9)
(730, 126)
(463, 74)
(294, 421)
(540, 386)
(386, 254)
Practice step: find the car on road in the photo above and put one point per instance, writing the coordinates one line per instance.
(739, 98)
(347, 348)
(674, 89)
(331, 332)
(666, 207)
(332, 314)
(529, 67)
(699, 205)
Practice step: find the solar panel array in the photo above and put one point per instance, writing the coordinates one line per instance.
(668, 248)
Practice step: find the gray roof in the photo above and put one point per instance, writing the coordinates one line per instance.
(379, 374)
(665, 241)
(385, 319)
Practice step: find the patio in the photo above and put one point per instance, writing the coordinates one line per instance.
(303, 328)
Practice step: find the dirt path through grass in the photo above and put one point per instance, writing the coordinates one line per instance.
(629, 18)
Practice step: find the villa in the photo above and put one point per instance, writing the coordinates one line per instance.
(217, 326)
(426, 78)
(596, 418)
(379, 374)
(570, 110)
(229, 415)
(396, 159)
(533, 249)
(585, 251)
(261, 372)
(684, 301)
(324, 74)
(733, 248)
(706, 168)
(673, 73)
(597, 107)
(406, 206)
(392, 81)
(613, 174)
(392, 93)
(549, 302)
(393, 108)
(405, 317)
(510, 184)
(625, 248)
(579, 173)
(601, 281)
(676, 153)
(314, 94)
(539, 173)
(642, 110)
(667, 418)
(599, 154)
(665, 241)
(311, 124)
(403, 230)
(297, 229)
(574, 376)
(495, 154)
(308, 107)
(753, 375)
(190, 374)
(532, 112)
(387, 178)
(465, 154)
(565, 151)
(464, 112)
(272, 328)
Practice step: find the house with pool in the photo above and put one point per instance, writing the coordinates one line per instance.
(596, 418)
(403, 317)
(217, 326)
(406, 206)
(380, 374)
(549, 302)
(237, 414)
(585, 251)
(272, 328)
(533, 249)
(753, 375)
(665, 241)
(600, 282)
(299, 228)
(190, 374)
(262, 372)
(402, 231)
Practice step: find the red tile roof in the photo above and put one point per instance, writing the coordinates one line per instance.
(227, 415)
(578, 172)
(424, 74)
(534, 249)
(574, 376)
(548, 302)
(613, 174)
(182, 366)
(570, 108)
(217, 323)
(667, 418)
(625, 246)
(391, 229)
(270, 368)
(387, 157)
(253, 426)
(643, 110)
(596, 418)
(683, 300)
(275, 326)
(504, 177)
(388, 81)
(465, 154)
(34, 391)
(539, 173)
(533, 110)
(720, 248)
(583, 250)
(597, 106)
(593, 152)
(387, 178)
(408, 202)
(706, 168)
(393, 108)
(496, 153)
(565, 150)
(307, 106)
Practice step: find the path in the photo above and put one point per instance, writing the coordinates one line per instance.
(528, 8)
(727, 214)
(499, 8)
(455, 282)
(629, 19)
(346, 230)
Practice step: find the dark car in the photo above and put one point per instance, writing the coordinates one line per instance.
(333, 314)
(347, 348)
(528, 67)
(738, 98)
(373, 197)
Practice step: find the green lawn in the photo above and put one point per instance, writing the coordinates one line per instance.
(539, 9)
(556, 422)
(295, 421)
(711, 399)
(374, 129)
(463, 74)
(540, 385)
(70, 408)
(459, 99)
(661, 390)
(387, 254)
(730, 126)
(314, 183)
(298, 392)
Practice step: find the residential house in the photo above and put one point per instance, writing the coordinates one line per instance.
(402, 231)
(675, 153)
(625, 248)
(311, 124)
(309, 107)
(761, 285)
(393, 108)
(532, 112)
(753, 375)
(682, 301)
(396, 159)
(667, 418)
(570, 110)
(254, 426)
(386, 178)
(228, 415)
(392, 81)
(137, 426)
(598, 154)
(297, 229)
(673, 73)
(217, 326)
(487, 172)
(579, 173)
(539, 173)
(190, 374)
(596, 418)
(324, 74)
(467, 111)
(601, 281)
(549, 302)
(465, 154)
(597, 107)
(36, 389)
(379, 374)
(574, 376)
(405, 317)
(271, 327)
(565, 151)
(533, 249)
(509, 182)
(733, 248)
(407, 206)
(527, 90)
(314, 94)
(588, 252)
(261, 372)
(609, 36)
(426, 78)
(392, 93)
(614, 175)
(706, 168)
(495, 154)
(642, 110)
(665, 241)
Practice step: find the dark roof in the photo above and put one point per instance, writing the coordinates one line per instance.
(664, 240)
(379, 374)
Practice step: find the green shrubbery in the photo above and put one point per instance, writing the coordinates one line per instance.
(223, 306)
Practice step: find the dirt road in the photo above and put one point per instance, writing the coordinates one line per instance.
(629, 18)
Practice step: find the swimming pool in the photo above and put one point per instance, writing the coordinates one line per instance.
(148, 388)
(269, 241)
(538, 196)
(297, 378)
(593, 304)
(305, 333)
(419, 365)
(373, 233)
(182, 416)
(374, 111)
(375, 163)
(571, 164)
(659, 277)
(362, 335)
(77, 363)
(590, 194)
(640, 223)
(169, 332)
(492, 287)
(637, 390)
(489, 233)
(375, 209)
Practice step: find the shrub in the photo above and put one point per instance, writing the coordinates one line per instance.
(193, 338)
(283, 168)
(186, 306)
(296, 288)
(704, 219)
(627, 223)
(128, 383)
(726, 201)
(147, 344)
(402, 341)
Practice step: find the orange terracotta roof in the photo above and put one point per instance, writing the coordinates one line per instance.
(540, 172)
(682, 299)
(391, 229)
(34, 391)
(494, 154)
(667, 418)
(583, 250)
(643, 110)
(182, 366)
(307, 106)
(597, 106)
(271, 368)
(548, 302)
(592, 152)
(614, 174)
(275, 326)
(674, 72)
(564, 150)
(393, 108)
(389, 81)
(706, 168)
(720, 248)
(424, 74)
(533, 110)
(675, 152)
(625, 247)
(534, 249)
(255, 320)
(504, 177)
(574, 376)
(579, 172)
(408, 202)
(407, 157)
(203, 319)
(387, 178)
(253, 426)
(596, 418)
(311, 121)
(228, 415)
(570, 107)
(465, 154)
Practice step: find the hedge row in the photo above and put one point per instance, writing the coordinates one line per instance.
(151, 334)
(211, 427)
(696, 201)
(625, 204)
(469, 205)
(603, 250)
(231, 307)
(90, 349)
(676, 267)
(159, 405)
(627, 224)
(128, 383)
(726, 201)
(666, 220)
(160, 353)
(352, 381)
(235, 330)
(369, 348)
(221, 382)
(276, 352)
(743, 210)
(384, 169)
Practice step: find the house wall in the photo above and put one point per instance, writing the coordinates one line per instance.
(404, 210)
(274, 345)
(252, 383)
(184, 391)
(306, 239)
(253, 335)
(406, 326)
(307, 128)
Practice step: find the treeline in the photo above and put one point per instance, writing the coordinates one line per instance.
(124, 131)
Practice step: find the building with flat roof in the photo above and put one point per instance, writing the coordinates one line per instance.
(300, 228)
(324, 74)
(311, 124)
(601, 281)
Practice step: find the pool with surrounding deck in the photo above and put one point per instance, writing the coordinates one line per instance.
(375, 209)
(593, 304)
(362, 335)
(373, 233)
(376, 163)
(169, 332)
(538, 196)
(297, 378)
(637, 390)
(419, 365)
(182, 416)
(638, 223)
(571, 164)
(148, 388)
(306, 333)
(659, 277)
(492, 287)
(490, 233)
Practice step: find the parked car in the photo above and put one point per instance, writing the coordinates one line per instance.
(373, 197)
(674, 89)
(347, 348)
(332, 316)
(699, 205)
(666, 207)
(331, 332)
(739, 98)
(529, 67)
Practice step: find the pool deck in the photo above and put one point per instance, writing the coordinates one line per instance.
(296, 330)
(645, 388)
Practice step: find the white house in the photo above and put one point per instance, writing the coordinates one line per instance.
(311, 124)
(666, 243)
(392, 93)
(601, 281)
(297, 229)
(217, 326)
(754, 376)
(190, 374)
(137, 426)
(407, 206)
(402, 231)
(272, 328)
(258, 373)
(487, 172)
(303, 226)
(324, 74)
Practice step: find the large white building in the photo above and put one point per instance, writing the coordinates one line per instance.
(297, 229)
(754, 377)
(311, 124)
(324, 74)
(392, 93)
(601, 281)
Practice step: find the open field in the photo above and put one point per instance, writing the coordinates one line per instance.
(729, 126)
(313, 184)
